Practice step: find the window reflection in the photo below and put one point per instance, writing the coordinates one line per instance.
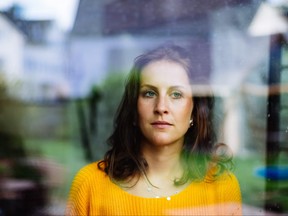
(59, 88)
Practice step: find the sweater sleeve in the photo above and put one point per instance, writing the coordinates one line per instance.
(78, 201)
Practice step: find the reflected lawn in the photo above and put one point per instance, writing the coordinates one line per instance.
(253, 186)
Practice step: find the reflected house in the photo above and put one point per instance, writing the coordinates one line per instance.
(12, 42)
(107, 35)
(44, 60)
(37, 49)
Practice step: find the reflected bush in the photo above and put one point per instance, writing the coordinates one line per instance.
(111, 90)
(21, 188)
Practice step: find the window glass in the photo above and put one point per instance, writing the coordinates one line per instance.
(63, 67)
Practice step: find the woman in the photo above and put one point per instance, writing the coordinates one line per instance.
(163, 158)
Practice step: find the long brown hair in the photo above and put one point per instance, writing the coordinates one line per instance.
(124, 159)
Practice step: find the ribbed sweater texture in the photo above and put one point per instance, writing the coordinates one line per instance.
(93, 193)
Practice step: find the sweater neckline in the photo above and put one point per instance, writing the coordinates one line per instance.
(171, 197)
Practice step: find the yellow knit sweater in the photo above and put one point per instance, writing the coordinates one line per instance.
(93, 193)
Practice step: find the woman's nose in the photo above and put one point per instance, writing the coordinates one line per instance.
(161, 106)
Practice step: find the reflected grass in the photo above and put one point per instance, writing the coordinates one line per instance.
(253, 187)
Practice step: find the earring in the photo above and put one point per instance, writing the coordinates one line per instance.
(191, 122)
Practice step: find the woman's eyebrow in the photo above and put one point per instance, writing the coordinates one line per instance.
(170, 87)
(148, 85)
(178, 86)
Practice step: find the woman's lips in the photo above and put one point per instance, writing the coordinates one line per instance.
(161, 124)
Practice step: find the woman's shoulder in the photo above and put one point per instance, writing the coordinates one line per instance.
(90, 172)
(89, 179)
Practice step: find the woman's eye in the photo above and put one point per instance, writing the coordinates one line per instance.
(176, 95)
(149, 94)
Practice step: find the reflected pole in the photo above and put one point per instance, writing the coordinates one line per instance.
(273, 113)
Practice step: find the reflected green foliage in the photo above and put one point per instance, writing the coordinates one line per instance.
(2, 85)
(15, 166)
(67, 155)
(111, 93)
(11, 111)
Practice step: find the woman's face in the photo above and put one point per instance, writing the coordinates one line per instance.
(164, 103)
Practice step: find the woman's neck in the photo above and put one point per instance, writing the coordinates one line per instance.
(164, 166)
(164, 163)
